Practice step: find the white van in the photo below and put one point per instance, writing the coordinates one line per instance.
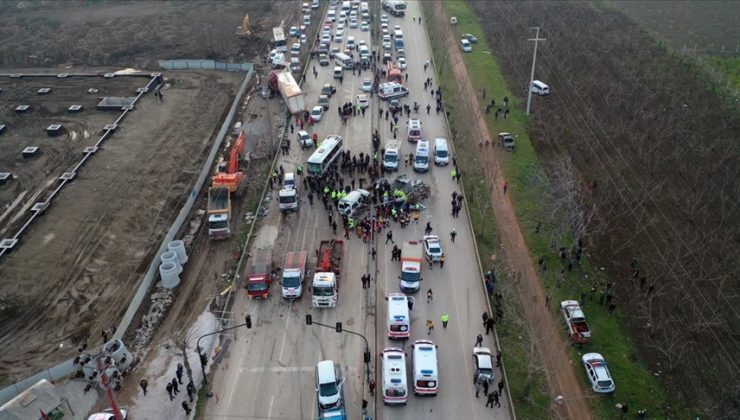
(394, 387)
(343, 60)
(441, 152)
(328, 385)
(414, 133)
(399, 322)
(426, 374)
(346, 6)
(540, 88)
(289, 181)
(354, 200)
(338, 72)
(421, 157)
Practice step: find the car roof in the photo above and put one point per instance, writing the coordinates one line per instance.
(318, 108)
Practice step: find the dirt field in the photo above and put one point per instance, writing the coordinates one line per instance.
(130, 33)
(80, 263)
(656, 154)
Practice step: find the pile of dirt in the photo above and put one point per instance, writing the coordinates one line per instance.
(657, 155)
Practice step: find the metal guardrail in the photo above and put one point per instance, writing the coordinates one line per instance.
(67, 367)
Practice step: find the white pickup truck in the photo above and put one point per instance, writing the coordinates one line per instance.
(575, 319)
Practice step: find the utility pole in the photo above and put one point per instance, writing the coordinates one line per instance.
(536, 39)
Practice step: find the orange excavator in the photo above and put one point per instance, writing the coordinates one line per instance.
(233, 178)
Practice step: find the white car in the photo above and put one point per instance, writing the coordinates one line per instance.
(384, 19)
(466, 47)
(397, 28)
(387, 45)
(317, 112)
(432, 247)
(340, 26)
(339, 37)
(384, 26)
(107, 414)
(363, 101)
(402, 63)
(483, 363)
(598, 373)
(364, 27)
(367, 85)
(307, 20)
(294, 31)
(353, 23)
(303, 38)
(305, 140)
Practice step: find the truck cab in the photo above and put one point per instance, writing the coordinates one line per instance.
(294, 274)
(325, 291)
(219, 212)
(410, 277)
(259, 274)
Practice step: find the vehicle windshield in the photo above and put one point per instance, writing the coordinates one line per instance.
(323, 291)
(256, 286)
(218, 225)
(605, 384)
(485, 371)
(288, 199)
(422, 159)
(291, 281)
(314, 168)
(434, 249)
(395, 392)
(391, 158)
(442, 153)
(328, 389)
(410, 277)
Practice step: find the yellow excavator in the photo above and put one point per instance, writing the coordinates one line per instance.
(243, 29)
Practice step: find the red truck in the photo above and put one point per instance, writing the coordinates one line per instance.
(330, 257)
(259, 274)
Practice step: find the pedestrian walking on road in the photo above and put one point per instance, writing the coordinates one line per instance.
(430, 297)
(410, 303)
(442, 261)
(498, 358)
(389, 237)
(169, 390)
(500, 387)
(186, 408)
(428, 229)
(547, 302)
(430, 326)
(178, 372)
(496, 399)
(485, 318)
(191, 391)
(478, 341)
(478, 386)
(489, 325)
(174, 386)
(506, 186)
(485, 387)
(490, 400)
(452, 235)
(444, 318)
(143, 384)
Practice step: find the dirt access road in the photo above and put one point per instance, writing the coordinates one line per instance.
(80, 264)
(560, 372)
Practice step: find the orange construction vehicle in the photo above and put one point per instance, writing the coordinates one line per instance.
(233, 178)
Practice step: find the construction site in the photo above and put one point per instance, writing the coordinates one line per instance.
(96, 163)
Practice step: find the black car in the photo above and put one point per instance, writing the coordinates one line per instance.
(328, 90)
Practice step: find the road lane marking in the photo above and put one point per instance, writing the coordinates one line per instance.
(285, 332)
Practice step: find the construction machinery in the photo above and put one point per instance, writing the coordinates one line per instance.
(232, 177)
(243, 29)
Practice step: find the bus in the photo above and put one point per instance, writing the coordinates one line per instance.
(322, 158)
(280, 43)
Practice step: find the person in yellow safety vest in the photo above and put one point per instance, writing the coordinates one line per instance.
(334, 194)
(385, 196)
(342, 194)
(394, 213)
(351, 223)
(453, 173)
(299, 169)
(326, 190)
(274, 174)
(402, 196)
(375, 155)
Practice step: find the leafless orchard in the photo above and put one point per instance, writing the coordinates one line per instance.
(646, 165)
